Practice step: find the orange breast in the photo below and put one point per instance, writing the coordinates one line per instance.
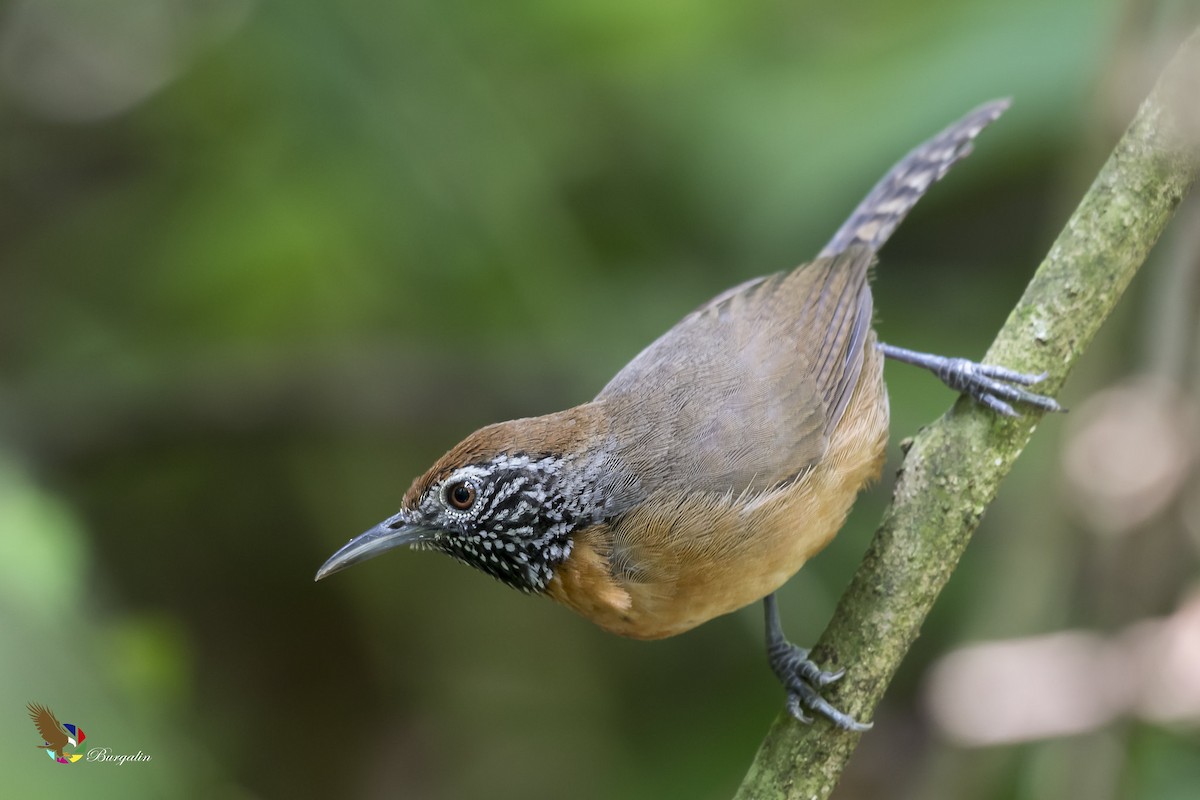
(681, 559)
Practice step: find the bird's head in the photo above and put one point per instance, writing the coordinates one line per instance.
(504, 501)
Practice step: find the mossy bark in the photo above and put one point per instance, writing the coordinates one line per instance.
(953, 468)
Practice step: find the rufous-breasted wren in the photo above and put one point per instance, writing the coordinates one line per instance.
(714, 464)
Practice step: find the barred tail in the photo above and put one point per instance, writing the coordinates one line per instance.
(894, 196)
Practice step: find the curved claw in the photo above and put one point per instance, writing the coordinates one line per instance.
(801, 677)
(800, 695)
(826, 678)
(797, 710)
(803, 681)
(991, 385)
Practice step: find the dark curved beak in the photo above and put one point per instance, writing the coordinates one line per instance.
(387, 535)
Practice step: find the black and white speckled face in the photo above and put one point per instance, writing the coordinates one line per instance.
(511, 517)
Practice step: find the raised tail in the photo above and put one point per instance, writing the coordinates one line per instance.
(898, 191)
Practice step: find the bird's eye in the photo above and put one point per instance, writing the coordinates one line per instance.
(461, 495)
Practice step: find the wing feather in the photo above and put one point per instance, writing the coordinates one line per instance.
(742, 394)
(48, 726)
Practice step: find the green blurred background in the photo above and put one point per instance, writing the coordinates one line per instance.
(263, 262)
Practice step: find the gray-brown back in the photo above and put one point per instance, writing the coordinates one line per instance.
(742, 393)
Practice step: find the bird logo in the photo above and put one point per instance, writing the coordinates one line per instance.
(56, 736)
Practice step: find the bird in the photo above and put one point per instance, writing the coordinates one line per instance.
(715, 463)
(53, 733)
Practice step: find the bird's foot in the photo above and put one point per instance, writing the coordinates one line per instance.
(803, 681)
(996, 387)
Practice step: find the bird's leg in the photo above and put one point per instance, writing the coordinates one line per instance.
(802, 679)
(992, 386)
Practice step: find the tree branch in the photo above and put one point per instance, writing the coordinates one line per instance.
(954, 467)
